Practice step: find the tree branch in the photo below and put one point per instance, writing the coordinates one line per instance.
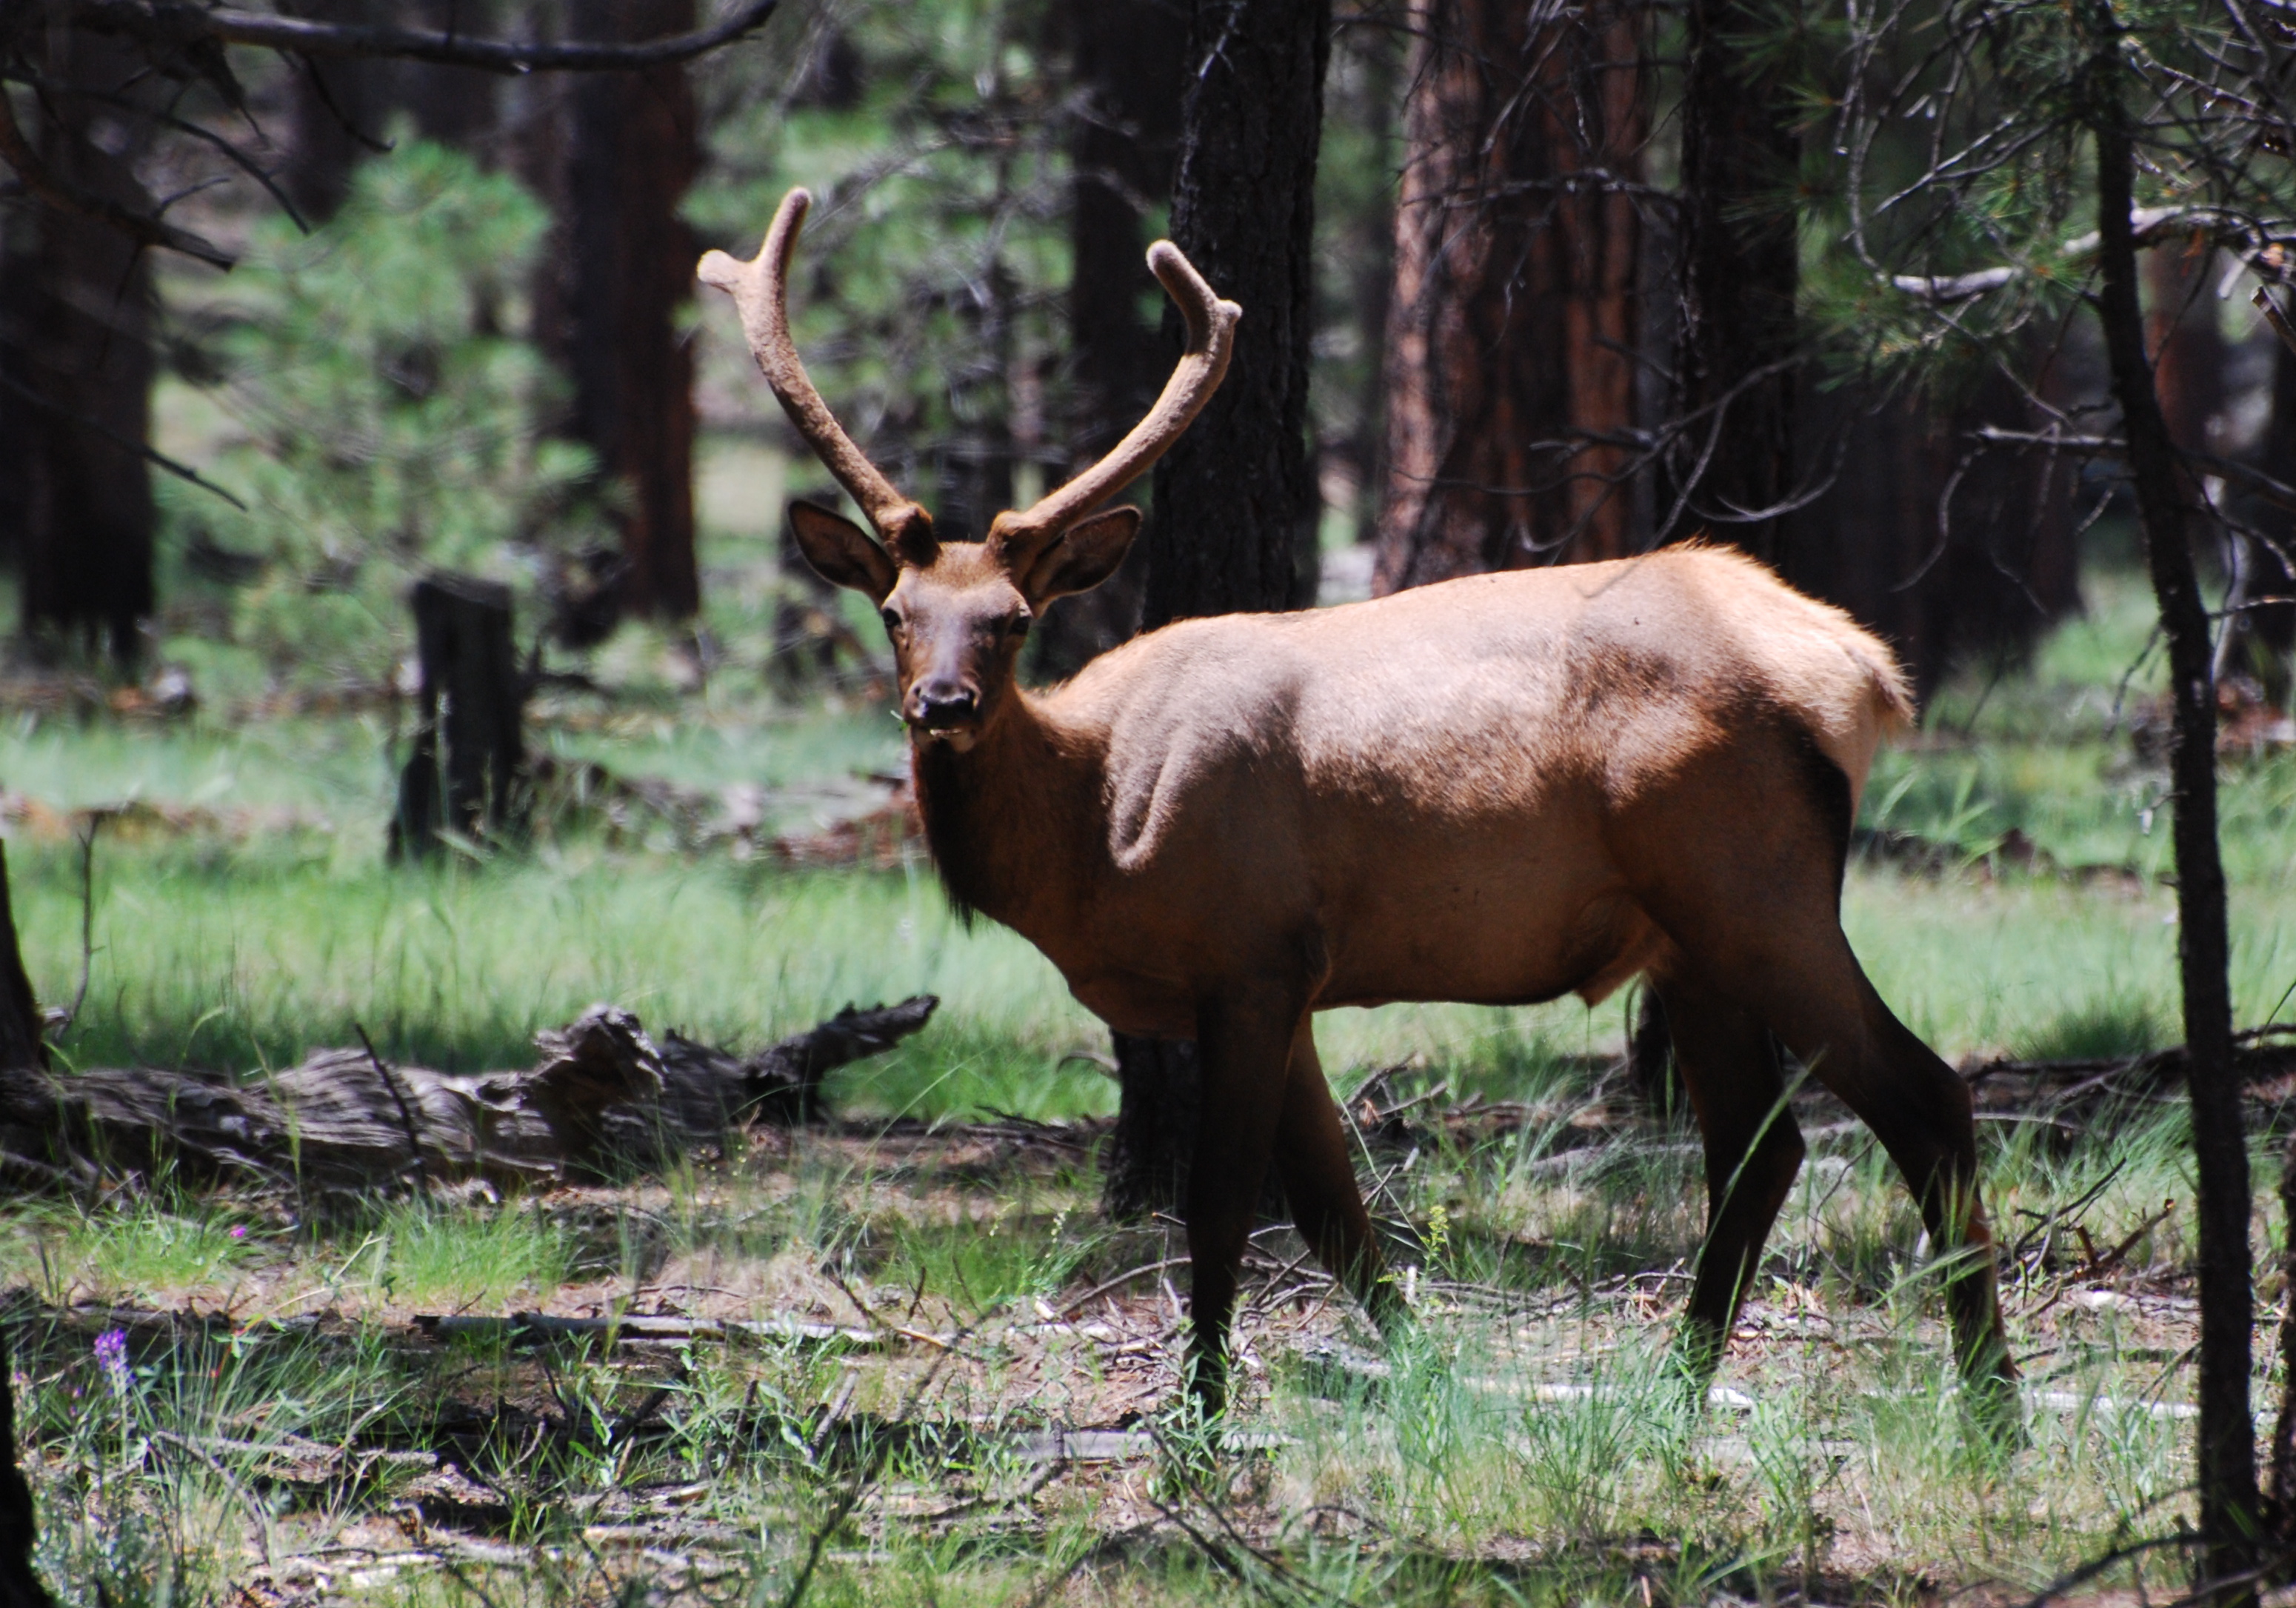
(180, 24)
(17, 151)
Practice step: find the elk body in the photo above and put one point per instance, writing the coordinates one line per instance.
(1497, 790)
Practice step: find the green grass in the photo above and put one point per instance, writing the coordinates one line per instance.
(1529, 1446)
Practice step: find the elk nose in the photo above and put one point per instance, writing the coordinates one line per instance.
(935, 704)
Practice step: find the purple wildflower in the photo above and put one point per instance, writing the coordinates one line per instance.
(239, 1231)
(112, 1357)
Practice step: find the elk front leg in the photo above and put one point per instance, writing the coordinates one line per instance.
(1317, 1167)
(1244, 1050)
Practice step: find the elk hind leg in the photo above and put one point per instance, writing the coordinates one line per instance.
(1317, 1169)
(1729, 1067)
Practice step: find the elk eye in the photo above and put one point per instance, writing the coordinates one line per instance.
(891, 617)
(1018, 625)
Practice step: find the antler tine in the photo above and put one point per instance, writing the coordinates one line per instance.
(761, 289)
(1211, 340)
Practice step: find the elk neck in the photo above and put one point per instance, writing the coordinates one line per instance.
(1010, 822)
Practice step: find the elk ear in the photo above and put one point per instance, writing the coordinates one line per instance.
(842, 552)
(1086, 553)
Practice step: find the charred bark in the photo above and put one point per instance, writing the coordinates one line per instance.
(337, 112)
(1732, 468)
(608, 306)
(1129, 62)
(467, 772)
(1236, 498)
(1949, 548)
(340, 110)
(1510, 369)
(2230, 1520)
(76, 371)
(1235, 501)
(23, 1052)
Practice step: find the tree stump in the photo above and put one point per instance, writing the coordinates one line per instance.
(467, 774)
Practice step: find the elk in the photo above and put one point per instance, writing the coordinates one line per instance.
(1499, 789)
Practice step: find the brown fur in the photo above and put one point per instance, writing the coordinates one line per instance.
(1501, 789)
(1498, 790)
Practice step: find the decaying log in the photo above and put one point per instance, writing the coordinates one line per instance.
(603, 1099)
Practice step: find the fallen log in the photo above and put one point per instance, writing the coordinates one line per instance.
(604, 1100)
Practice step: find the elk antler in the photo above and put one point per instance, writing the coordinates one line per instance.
(761, 289)
(1211, 340)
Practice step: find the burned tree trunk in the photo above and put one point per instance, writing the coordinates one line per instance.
(1510, 364)
(1731, 467)
(1131, 67)
(23, 1052)
(1236, 499)
(76, 370)
(608, 307)
(340, 108)
(467, 774)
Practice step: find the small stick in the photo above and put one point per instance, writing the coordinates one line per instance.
(406, 1113)
(86, 920)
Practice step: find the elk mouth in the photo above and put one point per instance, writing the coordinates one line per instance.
(956, 738)
(954, 726)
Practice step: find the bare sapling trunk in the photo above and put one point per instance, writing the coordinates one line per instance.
(2230, 1520)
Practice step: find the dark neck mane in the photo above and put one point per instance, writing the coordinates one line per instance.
(949, 799)
(1004, 820)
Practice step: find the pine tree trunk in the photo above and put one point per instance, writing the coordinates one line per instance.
(2228, 1506)
(76, 509)
(21, 1047)
(1235, 500)
(1131, 67)
(1511, 331)
(334, 108)
(340, 108)
(1733, 462)
(624, 266)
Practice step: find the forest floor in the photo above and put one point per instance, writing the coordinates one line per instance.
(899, 1358)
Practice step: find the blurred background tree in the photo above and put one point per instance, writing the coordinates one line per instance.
(387, 416)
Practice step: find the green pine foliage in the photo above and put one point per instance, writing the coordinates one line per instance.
(390, 418)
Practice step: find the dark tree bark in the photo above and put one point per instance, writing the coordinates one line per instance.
(1131, 67)
(609, 305)
(1370, 284)
(21, 1050)
(1236, 499)
(467, 774)
(1129, 64)
(1734, 464)
(1947, 549)
(2260, 640)
(21, 1044)
(341, 109)
(1511, 376)
(76, 369)
(2228, 1505)
(334, 109)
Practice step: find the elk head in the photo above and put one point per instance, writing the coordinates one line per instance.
(958, 612)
